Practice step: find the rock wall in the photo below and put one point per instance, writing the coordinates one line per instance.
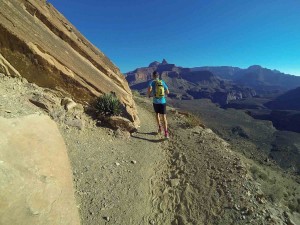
(46, 49)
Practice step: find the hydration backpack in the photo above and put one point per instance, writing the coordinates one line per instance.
(159, 89)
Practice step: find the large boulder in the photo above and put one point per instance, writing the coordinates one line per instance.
(42, 45)
(35, 175)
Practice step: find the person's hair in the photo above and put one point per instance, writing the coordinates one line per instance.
(155, 74)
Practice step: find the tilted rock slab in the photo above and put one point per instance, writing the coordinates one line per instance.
(46, 49)
(35, 176)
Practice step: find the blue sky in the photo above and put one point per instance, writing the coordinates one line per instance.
(191, 33)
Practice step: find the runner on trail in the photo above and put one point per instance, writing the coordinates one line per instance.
(159, 89)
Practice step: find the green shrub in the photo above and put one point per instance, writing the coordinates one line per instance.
(108, 105)
(274, 192)
(294, 205)
(258, 173)
(136, 93)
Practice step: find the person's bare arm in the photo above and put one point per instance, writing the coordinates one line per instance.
(149, 91)
(167, 91)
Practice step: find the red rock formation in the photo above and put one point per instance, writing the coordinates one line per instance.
(47, 50)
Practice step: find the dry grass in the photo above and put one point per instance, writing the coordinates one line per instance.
(277, 186)
(189, 120)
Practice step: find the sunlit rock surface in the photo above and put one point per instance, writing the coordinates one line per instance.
(41, 45)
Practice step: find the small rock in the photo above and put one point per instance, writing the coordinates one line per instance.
(73, 122)
(249, 211)
(23, 80)
(106, 218)
(261, 200)
(117, 164)
(267, 160)
(174, 182)
(133, 161)
(236, 207)
(42, 101)
(118, 122)
(70, 105)
(239, 167)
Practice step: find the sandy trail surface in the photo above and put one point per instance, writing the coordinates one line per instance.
(193, 178)
(112, 172)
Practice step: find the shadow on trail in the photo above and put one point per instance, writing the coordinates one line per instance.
(149, 133)
(151, 140)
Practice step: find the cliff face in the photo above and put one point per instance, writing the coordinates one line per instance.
(39, 43)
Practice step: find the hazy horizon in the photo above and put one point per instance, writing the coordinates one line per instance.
(198, 33)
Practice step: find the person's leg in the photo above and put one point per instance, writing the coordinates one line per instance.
(164, 114)
(156, 109)
(158, 119)
(165, 122)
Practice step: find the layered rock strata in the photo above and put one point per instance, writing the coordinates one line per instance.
(42, 45)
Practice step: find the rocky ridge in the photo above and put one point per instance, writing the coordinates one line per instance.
(287, 101)
(42, 45)
(185, 83)
(262, 80)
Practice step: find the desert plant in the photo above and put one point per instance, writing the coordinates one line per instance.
(108, 105)
(136, 93)
(294, 205)
(258, 173)
(274, 192)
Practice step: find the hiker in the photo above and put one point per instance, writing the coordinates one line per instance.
(158, 88)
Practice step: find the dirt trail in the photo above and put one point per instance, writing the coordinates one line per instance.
(112, 172)
(192, 179)
(192, 189)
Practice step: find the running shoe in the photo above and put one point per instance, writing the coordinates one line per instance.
(167, 134)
